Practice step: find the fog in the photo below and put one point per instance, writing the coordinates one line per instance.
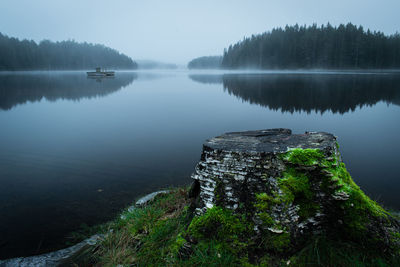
(178, 31)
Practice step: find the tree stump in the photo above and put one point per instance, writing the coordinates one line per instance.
(291, 185)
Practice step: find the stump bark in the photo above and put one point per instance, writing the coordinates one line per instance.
(293, 185)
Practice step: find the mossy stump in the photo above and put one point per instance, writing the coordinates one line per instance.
(290, 188)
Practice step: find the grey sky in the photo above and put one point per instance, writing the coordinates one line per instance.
(177, 31)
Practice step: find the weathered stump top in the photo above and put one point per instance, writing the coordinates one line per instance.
(270, 140)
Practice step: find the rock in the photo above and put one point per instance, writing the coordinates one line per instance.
(288, 184)
(61, 257)
(147, 198)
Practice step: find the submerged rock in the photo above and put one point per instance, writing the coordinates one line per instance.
(290, 186)
(62, 257)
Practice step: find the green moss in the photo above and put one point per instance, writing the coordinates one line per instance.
(358, 198)
(358, 210)
(339, 177)
(396, 236)
(219, 192)
(294, 190)
(263, 205)
(294, 183)
(304, 156)
(276, 242)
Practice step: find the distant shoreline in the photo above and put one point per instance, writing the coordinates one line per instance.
(267, 71)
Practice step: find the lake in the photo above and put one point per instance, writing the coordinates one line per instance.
(74, 151)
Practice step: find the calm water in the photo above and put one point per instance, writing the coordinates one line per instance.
(75, 150)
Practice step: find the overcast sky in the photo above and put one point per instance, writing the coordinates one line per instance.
(177, 31)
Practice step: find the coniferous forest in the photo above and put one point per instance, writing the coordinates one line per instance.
(18, 54)
(210, 62)
(343, 47)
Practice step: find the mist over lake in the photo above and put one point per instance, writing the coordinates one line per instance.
(76, 150)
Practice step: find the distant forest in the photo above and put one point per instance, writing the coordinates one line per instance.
(210, 62)
(345, 46)
(66, 55)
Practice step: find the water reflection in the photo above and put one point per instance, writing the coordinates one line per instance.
(20, 88)
(310, 92)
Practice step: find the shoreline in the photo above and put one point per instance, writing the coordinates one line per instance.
(66, 256)
(59, 256)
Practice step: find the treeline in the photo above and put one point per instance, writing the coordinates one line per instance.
(345, 46)
(66, 55)
(210, 62)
